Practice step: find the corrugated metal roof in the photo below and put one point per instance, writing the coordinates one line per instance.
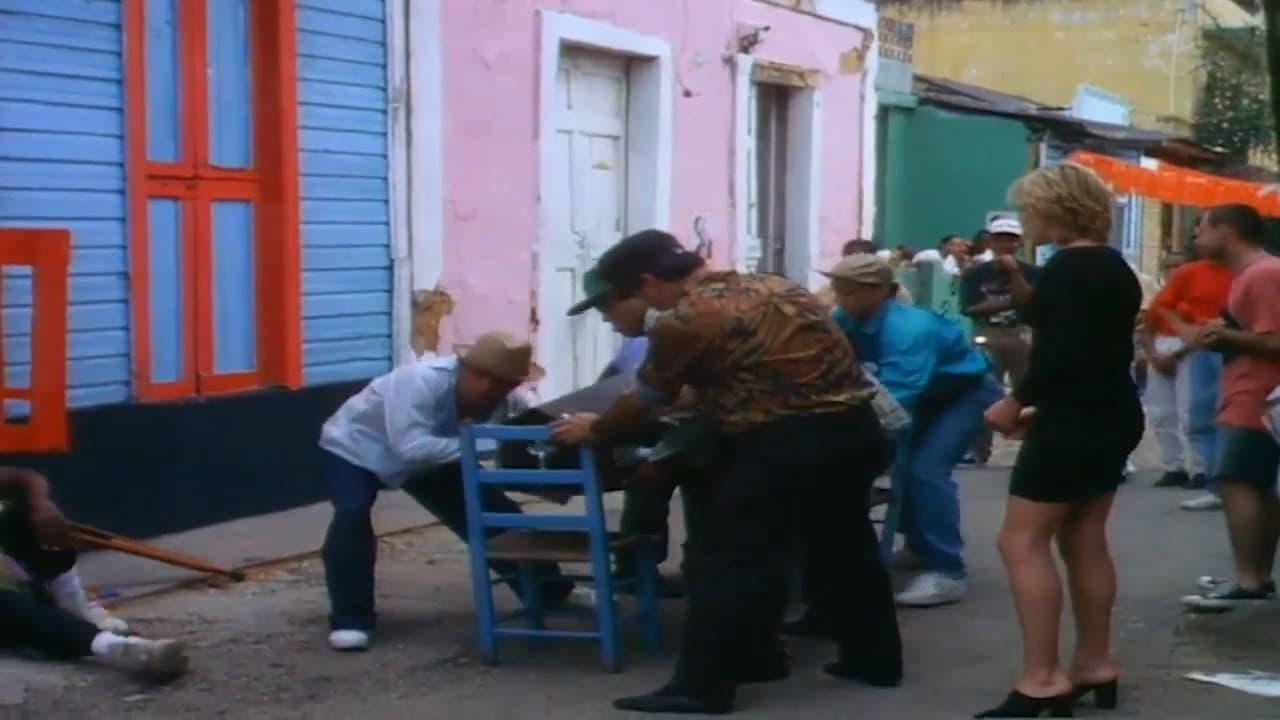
(974, 98)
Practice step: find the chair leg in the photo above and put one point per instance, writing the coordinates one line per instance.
(482, 588)
(650, 621)
(892, 516)
(531, 595)
(606, 615)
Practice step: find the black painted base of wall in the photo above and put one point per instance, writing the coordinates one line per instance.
(149, 469)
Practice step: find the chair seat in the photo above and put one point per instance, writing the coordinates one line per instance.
(554, 546)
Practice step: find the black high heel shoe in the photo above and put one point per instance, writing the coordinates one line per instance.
(1018, 705)
(1106, 695)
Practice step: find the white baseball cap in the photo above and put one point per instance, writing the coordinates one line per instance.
(1005, 226)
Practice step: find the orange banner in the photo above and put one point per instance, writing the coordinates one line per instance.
(1179, 185)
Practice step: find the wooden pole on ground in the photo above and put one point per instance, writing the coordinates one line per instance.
(95, 538)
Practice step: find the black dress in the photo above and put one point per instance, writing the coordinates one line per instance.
(1088, 417)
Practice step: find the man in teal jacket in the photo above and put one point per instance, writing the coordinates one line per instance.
(928, 365)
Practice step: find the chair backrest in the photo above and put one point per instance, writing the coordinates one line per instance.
(582, 479)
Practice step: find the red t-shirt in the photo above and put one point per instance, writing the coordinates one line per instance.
(1247, 380)
(1197, 292)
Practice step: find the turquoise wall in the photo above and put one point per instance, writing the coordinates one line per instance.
(942, 171)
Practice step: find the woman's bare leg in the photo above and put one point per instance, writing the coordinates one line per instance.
(1091, 576)
(1025, 543)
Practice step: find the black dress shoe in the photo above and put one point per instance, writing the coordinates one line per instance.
(1018, 705)
(807, 625)
(1176, 478)
(766, 672)
(846, 671)
(673, 702)
(1106, 695)
(1199, 481)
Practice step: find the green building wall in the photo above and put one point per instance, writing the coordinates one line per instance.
(942, 171)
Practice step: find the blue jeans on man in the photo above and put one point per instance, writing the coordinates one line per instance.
(1203, 369)
(936, 443)
(350, 548)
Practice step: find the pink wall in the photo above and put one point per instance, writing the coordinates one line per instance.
(490, 113)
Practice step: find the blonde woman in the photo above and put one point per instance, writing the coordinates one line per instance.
(1086, 421)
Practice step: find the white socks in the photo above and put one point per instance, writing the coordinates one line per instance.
(69, 595)
(105, 642)
(133, 654)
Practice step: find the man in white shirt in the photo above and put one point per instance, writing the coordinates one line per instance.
(401, 431)
(952, 254)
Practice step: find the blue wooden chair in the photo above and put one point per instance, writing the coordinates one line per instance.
(892, 519)
(527, 538)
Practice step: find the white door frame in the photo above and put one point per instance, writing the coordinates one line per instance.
(804, 176)
(415, 156)
(650, 113)
(743, 252)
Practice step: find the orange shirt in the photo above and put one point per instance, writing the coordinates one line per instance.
(1196, 291)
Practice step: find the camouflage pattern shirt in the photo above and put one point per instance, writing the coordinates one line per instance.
(756, 348)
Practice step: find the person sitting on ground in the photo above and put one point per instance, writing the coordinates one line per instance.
(927, 365)
(401, 431)
(43, 607)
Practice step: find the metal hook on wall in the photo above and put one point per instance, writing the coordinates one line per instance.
(703, 248)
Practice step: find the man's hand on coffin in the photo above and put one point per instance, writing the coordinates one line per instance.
(573, 430)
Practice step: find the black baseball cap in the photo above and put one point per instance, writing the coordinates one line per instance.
(648, 252)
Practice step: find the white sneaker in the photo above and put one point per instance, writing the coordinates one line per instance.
(349, 640)
(68, 593)
(1204, 503)
(930, 590)
(1209, 582)
(161, 658)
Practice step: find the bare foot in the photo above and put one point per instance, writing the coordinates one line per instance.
(1044, 687)
(1094, 674)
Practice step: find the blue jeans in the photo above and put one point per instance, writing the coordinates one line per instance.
(930, 503)
(1203, 370)
(350, 548)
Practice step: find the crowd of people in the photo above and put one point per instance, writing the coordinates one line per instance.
(788, 405)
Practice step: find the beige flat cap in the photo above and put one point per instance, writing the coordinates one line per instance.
(863, 269)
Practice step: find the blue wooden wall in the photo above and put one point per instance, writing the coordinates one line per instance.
(62, 165)
(346, 263)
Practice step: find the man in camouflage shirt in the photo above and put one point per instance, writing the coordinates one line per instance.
(798, 449)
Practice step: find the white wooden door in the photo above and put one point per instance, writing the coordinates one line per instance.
(587, 209)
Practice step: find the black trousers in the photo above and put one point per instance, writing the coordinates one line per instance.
(793, 484)
(646, 507)
(32, 621)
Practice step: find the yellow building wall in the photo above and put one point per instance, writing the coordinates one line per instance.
(1143, 50)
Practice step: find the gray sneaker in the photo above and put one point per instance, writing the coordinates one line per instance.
(160, 658)
(930, 590)
(1229, 597)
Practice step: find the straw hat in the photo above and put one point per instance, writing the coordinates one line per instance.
(502, 355)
